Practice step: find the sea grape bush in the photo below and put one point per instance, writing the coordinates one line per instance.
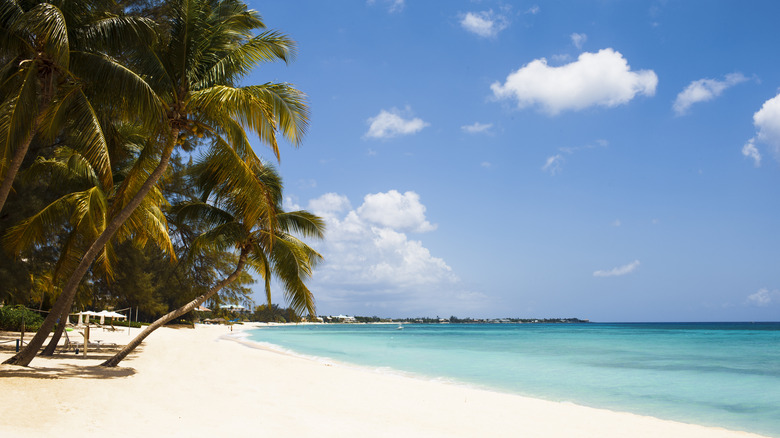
(12, 317)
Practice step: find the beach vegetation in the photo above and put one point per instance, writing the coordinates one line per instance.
(17, 318)
(242, 204)
(180, 87)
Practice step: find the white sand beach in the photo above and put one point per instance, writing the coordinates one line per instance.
(199, 383)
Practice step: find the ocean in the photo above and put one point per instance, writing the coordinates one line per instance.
(713, 374)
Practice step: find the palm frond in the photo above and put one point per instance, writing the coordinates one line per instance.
(302, 222)
(35, 229)
(116, 33)
(109, 77)
(47, 23)
(240, 61)
(73, 108)
(18, 114)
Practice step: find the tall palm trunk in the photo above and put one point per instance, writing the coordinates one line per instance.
(64, 302)
(13, 168)
(114, 361)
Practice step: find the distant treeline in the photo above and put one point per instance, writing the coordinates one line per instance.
(456, 320)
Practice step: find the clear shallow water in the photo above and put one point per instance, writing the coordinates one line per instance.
(724, 375)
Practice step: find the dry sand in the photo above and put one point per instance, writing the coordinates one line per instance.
(200, 383)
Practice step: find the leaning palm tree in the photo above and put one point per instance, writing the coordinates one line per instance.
(46, 46)
(254, 227)
(86, 212)
(191, 79)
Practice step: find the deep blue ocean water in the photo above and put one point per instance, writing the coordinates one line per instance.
(715, 374)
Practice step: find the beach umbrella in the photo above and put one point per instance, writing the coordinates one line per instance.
(107, 313)
(86, 313)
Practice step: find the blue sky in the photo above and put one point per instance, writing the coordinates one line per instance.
(611, 160)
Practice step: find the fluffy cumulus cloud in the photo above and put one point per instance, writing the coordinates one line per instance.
(476, 128)
(373, 267)
(618, 271)
(391, 123)
(767, 123)
(763, 297)
(704, 90)
(395, 210)
(594, 79)
(486, 24)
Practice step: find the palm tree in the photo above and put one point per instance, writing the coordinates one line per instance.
(86, 212)
(46, 47)
(191, 79)
(255, 227)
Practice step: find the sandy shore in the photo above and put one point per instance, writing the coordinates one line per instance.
(199, 383)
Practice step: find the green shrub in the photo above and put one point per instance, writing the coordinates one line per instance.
(123, 323)
(11, 318)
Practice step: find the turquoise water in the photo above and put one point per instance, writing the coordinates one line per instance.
(725, 375)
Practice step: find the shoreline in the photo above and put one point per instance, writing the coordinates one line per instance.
(191, 382)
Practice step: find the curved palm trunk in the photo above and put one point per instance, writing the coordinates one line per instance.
(55, 338)
(25, 356)
(114, 361)
(13, 168)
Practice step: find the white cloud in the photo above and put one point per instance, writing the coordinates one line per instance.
(704, 90)
(476, 127)
(751, 151)
(291, 204)
(620, 270)
(578, 39)
(394, 210)
(330, 205)
(372, 266)
(763, 297)
(533, 10)
(486, 164)
(595, 79)
(767, 120)
(617, 223)
(391, 123)
(553, 164)
(485, 24)
(767, 123)
(392, 5)
(561, 58)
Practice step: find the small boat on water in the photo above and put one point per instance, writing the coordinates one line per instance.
(400, 327)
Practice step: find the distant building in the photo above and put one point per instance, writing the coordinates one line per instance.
(345, 318)
(235, 308)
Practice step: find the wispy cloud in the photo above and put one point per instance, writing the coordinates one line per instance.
(578, 39)
(763, 297)
(618, 271)
(486, 24)
(533, 10)
(391, 123)
(554, 163)
(594, 79)
(704, 90)
(750, 150)
(476, 127)
(392, 5)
